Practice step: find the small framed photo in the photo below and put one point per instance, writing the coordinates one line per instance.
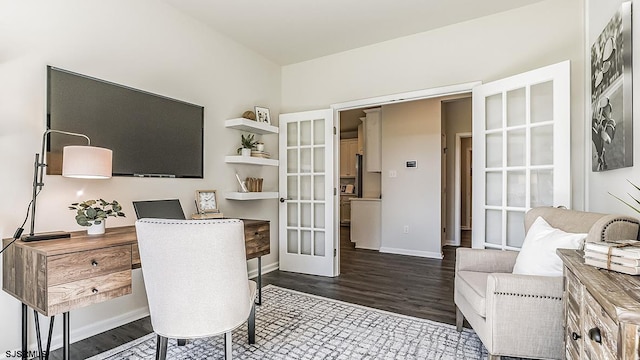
(262, 115)
(206, 201)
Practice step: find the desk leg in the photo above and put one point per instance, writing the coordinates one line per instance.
(65, 336)
(259, 280)
(24, 331)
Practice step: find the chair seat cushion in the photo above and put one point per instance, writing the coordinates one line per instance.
(473, 286)
(538, 254)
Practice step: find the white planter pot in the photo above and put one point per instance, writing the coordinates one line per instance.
(245, 152)
(96, 229)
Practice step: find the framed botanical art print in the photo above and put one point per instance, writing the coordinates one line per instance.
(206, 201)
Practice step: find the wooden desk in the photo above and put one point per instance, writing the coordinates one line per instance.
(56, 276)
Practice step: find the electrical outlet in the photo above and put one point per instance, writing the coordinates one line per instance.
(405, 229)
(393, 173)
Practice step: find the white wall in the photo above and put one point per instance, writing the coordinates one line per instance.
(146, 45)
(456, 116)
(614, 181)
(411, 131)
(483, 49)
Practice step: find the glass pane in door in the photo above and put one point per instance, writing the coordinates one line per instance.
(542, 145)
(515, 228)
(493, 226)
(542, 102)
(516, 147)
(516, 107)
(542, 187)
(493, 110)
(494, 150)
(516, 188)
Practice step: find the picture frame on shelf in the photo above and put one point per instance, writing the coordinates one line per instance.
(206, 202)
(262, 115)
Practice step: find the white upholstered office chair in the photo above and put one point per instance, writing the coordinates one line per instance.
(195, 274)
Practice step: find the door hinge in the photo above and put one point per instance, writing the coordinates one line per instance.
(335, 191)
(335, 252)
(335, 131)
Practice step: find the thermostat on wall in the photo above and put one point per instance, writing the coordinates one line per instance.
(412, 164)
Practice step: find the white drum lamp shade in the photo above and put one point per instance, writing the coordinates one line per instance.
(86, 162)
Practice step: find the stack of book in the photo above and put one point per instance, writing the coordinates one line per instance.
(261, 154)
(621, 255)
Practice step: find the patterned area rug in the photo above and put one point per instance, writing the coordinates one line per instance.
(295, 325)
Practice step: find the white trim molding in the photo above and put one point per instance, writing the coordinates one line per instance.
(425, 254)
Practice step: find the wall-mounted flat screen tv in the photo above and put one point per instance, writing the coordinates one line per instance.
(150, 135)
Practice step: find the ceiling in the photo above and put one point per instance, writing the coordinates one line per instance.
(291, 31)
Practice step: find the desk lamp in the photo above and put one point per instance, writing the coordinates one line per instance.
(86, 162)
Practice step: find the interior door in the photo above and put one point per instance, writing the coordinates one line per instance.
(306, 189)
(521, 142)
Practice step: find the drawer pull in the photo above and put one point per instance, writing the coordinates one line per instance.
(94, 290)
(575, 336)
(94, 263)
(594, 334)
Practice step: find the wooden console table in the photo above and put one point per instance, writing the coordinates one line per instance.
(601, 311)
(57, 276)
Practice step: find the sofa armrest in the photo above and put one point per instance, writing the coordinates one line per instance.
(525, 315)
(484, 260)
(525, 286)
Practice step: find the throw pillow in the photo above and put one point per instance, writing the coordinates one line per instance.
(538, 254)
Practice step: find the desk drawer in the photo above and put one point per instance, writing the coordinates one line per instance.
(80, 293)
(75, 266)
(257, 239)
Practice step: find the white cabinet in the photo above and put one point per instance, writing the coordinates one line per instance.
(348, 150)
(345, 208)
(372, 140)
(366, 223)
(256, 128)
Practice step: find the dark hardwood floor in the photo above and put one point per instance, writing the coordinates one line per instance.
(406, 285)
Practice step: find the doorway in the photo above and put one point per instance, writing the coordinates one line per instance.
(463, 189)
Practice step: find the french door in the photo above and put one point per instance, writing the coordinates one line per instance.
(306, 212)
(521, 152)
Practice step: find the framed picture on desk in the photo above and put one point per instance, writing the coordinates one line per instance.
(206, 202)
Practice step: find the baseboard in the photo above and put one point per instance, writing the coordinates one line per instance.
(84, 332)
(366, 248)
(451, 243)
(265, 269)
(425, 254)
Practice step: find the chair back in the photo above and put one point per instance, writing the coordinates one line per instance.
(598, 227)
(195, 275)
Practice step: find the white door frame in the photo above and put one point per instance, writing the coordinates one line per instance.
(457, 188)
(378, 101)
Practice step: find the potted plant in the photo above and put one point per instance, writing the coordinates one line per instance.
(247, 143)
(94, 213)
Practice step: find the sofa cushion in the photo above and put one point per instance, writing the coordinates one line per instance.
(538, 254)
(472, 286)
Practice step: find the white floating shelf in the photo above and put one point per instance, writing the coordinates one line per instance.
(251, 195)
(251, 126)
(252, 160)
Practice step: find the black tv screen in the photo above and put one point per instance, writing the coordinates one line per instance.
(149, 134)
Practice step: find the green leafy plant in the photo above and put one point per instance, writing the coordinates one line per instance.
(636, 209)
(95, 211)
(248, 142)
